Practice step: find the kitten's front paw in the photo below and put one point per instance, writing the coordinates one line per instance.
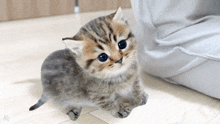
(144, 99)
(125, 110)
(74, 114)
(123, 113)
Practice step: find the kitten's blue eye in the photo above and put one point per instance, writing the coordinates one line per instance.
(122, 44)
(103, 57)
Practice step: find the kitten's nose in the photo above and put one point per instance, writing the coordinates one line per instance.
(119, 60)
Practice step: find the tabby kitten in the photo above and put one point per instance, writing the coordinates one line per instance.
(98, 68)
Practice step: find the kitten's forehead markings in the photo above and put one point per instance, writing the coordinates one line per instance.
(97, 31)
(100, 47)
(115, 38)
(101, 41)
(87, 34)
(110, 37)
(120, 33)
(109, 27)
(99, 28)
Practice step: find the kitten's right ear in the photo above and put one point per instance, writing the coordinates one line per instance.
(118, 14)
(74, 44)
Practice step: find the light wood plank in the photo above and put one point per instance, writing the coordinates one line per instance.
(3, 10)
(97, 5)
(23, 9)
(58, 7)
(43, 8)
(15, 9)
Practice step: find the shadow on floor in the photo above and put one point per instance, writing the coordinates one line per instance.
(154, 83)
(179, 91)
(36, 89)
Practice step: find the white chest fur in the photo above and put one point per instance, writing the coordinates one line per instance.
(126, 92)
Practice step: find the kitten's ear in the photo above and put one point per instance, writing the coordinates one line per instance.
(74, 44)
(118, 14)
(76, 37)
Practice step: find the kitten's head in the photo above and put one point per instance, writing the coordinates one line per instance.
(105, 47)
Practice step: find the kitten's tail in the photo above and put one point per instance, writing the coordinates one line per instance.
(40, 102)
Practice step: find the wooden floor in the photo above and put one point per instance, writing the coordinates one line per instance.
(25, 44)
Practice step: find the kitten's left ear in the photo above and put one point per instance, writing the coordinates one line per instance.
(74, 44)
(118, 14)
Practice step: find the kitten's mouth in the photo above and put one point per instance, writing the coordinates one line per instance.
(121, 65)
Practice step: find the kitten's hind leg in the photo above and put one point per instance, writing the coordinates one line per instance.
(74, 113)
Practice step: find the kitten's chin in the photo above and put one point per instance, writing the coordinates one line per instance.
(119, 71)
(109, 74)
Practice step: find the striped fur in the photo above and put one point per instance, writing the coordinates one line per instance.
(102, 35)
(75, 77)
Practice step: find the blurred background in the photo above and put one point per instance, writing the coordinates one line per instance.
(25, 9)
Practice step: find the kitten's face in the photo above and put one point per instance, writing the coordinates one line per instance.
(107, 48)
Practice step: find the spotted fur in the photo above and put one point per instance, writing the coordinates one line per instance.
(76, 77)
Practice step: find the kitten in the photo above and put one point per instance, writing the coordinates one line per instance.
(98, 68)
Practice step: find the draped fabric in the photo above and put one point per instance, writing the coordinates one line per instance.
(176, 36)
